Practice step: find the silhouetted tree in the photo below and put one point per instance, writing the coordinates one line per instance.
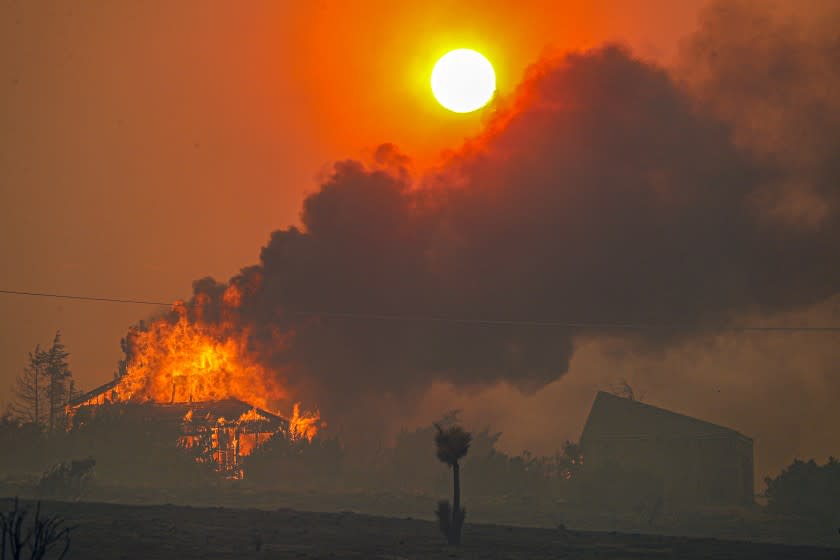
(45, 387)
(30, 388)
(452, 443)
(59, 382)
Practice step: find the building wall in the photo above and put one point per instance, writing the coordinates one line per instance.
(744, 450)
(694, 471)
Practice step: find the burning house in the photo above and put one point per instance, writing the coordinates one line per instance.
(697, 463)
(221, 432)
(204, 379)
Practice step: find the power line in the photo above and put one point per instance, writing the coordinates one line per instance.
(576, 325)
(85, 298)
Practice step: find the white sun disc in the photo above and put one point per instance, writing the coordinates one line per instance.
(463, 81)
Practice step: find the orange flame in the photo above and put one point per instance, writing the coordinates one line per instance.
(251, 416)
(191, 361)
(184, 362)
(303, 425)
(249, 442)
(195, 360)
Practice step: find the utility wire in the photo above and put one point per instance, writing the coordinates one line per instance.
(488, 322)
(576, 325)
(85, 298)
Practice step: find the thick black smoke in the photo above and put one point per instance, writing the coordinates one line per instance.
(608, 191)
(774, 74)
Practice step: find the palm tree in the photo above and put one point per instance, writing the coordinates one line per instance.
(452, 445)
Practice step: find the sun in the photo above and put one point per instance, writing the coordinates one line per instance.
(463, 81)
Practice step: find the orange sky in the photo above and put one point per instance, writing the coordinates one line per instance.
(364, 70)
(143, 146)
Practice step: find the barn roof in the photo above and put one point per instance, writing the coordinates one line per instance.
(614, 417)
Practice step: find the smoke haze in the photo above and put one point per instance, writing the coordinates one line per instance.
(605, 189)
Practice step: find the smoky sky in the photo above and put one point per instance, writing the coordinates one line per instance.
(605, 189)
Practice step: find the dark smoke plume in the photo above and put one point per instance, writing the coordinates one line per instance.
(608, 190)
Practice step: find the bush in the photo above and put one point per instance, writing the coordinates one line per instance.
(488, 472)
(616, 487)
(132, 450)
(282, 462)
(807, 489)
(44, 534)
(67, 480)
(29, 444)
(450, 523)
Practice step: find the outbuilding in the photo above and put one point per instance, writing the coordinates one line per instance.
(695, 462)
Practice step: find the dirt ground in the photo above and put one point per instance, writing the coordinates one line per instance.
(114, 531)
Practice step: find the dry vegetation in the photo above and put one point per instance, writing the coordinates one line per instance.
(161, 532)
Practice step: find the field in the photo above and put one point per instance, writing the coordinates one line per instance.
(116, 531)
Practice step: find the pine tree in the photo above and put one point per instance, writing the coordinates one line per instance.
(30, 389)
(59, 381)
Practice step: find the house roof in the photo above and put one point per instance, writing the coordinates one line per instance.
(614, 417)
(94, 392)
(229, 409)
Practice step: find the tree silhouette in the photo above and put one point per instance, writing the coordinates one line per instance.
(29, 391)
(45, 387)
(59, 380)
(452, 444)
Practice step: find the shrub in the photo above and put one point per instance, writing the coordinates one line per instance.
(29, 444)
(44, 534)
(616, 487)
(67, 480)
(282, 462)
(807, 489)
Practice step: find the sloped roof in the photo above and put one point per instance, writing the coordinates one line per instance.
(94, 392)
(230, 409)
(614, 417)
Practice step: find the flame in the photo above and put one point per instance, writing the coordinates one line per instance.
(186, 362)
(249, 442)
(303, 425)
(190, 359)
(251, 416)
